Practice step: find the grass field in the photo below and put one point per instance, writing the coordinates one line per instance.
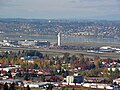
(78, 88)
(58, 52)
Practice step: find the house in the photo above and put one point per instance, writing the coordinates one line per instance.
(94, 79)
(116, 81)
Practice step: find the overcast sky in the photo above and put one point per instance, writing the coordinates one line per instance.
(42, 9)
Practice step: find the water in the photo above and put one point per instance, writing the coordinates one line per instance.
(92, 39)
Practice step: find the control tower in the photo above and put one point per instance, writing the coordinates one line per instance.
(59, 39)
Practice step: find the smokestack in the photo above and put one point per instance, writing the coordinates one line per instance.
(59, 39)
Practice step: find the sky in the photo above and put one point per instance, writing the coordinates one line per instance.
(59, 9)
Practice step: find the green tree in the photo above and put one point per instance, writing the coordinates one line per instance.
(23, 65)
(66, 57)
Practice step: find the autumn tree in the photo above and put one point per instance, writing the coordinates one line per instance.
(97, 61)
(66, 57)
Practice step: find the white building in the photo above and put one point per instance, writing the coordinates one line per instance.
(70, 79)
(27, 42)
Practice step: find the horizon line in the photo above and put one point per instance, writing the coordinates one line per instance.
(75, 19)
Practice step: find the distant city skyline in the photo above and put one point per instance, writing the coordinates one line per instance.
(61, 9)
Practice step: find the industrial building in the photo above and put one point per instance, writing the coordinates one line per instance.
(33, 43)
